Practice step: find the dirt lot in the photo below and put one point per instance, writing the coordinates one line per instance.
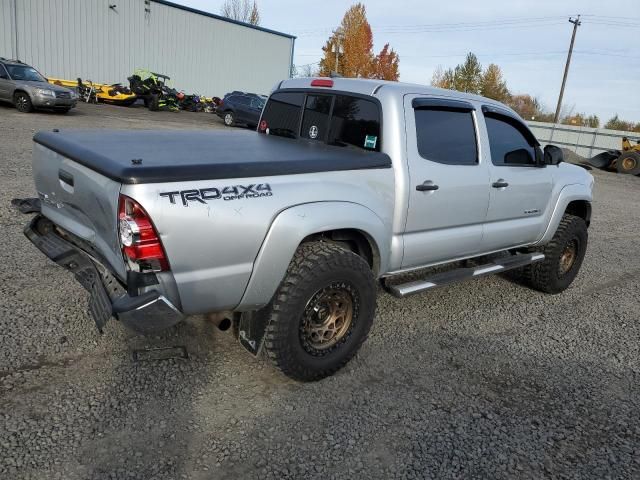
(486, 379)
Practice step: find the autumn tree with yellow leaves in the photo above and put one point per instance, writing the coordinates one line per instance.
(349, 50)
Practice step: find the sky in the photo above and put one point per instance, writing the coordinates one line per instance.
(529, 40)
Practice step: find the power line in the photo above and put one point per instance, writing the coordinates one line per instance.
(459, 26)
(503, 23)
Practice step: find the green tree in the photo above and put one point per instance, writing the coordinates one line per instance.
(615, 123)
(468, 75)
(493, 85)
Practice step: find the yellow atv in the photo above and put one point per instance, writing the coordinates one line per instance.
(114, 94)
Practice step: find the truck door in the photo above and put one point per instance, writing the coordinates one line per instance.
(448, 181)
(520, 186)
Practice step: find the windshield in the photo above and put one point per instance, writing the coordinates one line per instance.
(24, 72)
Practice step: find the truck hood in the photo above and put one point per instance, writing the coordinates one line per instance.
(145, 156)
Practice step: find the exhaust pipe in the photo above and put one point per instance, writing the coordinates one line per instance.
(221, 320)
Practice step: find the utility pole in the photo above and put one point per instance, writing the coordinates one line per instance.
(336, 48)
(576, 24)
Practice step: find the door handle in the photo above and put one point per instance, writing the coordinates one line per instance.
(427, 186)
(500, 184)
(65, 177)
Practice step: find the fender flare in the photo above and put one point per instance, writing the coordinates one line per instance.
(291, 226)
(568, 194)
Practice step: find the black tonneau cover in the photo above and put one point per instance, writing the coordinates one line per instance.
(171, 156)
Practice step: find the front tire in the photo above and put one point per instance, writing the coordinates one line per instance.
(22, 101)
(321, 313)
(563, 257)
(629, 162)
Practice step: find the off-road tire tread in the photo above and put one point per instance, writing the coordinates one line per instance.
(310, 257)
(636, 156)
(539, 275)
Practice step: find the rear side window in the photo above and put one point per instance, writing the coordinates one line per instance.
(282, 113)
(315, 123)
(509, 146)
(446, 136)
(355, 122)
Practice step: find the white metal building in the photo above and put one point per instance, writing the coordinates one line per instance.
(106, 40)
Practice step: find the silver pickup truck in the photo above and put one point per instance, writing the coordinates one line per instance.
(287, 232)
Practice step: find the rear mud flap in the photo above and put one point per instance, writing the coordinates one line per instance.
(252, 330)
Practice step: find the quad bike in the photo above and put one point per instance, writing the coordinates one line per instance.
(153, 89)
(626, 160)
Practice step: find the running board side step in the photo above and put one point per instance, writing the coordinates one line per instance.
(464, 273)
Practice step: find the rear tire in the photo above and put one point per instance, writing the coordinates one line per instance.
(22, 101)
(321, 313)
(563, 257)
(629, 162)
(154, 102)
(229, 119)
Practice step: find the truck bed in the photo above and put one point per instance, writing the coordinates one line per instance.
(169, 156)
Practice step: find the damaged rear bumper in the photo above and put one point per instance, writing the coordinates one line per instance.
(145, 313)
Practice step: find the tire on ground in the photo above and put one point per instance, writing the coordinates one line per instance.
(154, 102)
(229, 118)
(22, 101)
(563, 257)
(629, 162)
(323, 281)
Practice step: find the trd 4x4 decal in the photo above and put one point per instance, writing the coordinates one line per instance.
(235, 192)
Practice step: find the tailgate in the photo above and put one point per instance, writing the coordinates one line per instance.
(80, 201)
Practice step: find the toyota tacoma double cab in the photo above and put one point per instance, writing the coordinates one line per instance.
(288, 231)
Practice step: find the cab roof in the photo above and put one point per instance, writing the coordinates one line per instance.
(372, 87)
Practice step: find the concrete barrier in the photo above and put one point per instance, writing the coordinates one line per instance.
(584, 141)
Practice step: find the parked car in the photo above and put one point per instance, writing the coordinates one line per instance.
(348, 183)
(24, 87)
(241, 108)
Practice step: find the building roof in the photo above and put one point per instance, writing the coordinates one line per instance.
(220, 17)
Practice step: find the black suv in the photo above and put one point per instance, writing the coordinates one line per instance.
(241, 107)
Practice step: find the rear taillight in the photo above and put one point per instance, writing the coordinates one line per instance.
(138, 237)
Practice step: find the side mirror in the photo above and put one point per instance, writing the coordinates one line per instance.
(553, 155)
(521, 156)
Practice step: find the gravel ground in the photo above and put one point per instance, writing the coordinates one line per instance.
(486, 379)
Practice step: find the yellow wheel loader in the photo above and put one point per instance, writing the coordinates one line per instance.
(626, 160)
